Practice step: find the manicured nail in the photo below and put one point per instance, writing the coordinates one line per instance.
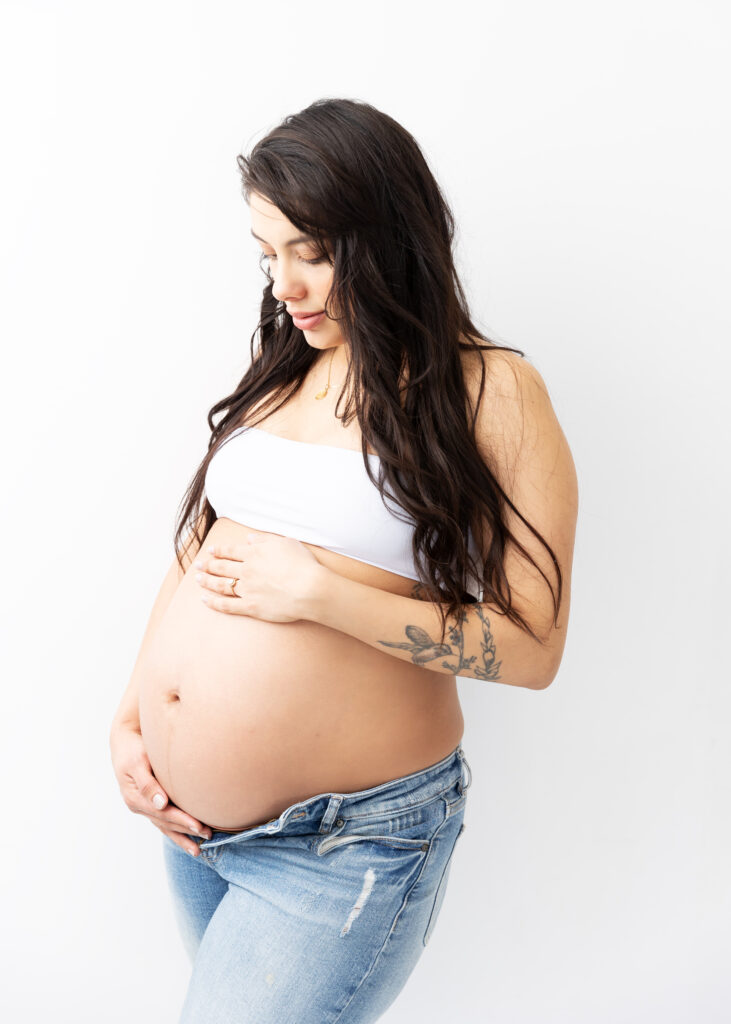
(159, 801)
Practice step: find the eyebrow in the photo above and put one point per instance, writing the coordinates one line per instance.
(292, 241)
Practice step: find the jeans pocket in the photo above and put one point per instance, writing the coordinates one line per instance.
(404, 829)
(442, 885)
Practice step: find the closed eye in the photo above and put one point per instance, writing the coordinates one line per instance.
(267, 256)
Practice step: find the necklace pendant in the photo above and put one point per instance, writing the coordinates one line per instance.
(321, 394)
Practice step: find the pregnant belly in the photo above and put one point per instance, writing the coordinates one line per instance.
(242, 717)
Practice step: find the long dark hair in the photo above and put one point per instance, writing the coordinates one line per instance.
(357, 182)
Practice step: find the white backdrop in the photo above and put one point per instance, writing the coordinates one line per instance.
(584, 148)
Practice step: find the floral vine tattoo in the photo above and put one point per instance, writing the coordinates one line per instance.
(424, 649)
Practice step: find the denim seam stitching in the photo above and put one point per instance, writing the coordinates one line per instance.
(432, 921)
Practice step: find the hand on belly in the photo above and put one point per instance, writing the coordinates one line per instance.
(243, 717)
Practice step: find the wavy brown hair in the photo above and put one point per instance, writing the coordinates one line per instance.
(357, 182)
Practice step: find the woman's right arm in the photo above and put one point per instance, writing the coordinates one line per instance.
(137, 784)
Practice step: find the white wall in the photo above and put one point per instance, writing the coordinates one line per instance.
(584, 148)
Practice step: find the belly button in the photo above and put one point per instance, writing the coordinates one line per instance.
(173, 696)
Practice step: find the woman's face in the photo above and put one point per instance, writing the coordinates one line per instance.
(300, 280)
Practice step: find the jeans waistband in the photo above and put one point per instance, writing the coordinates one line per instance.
(322, 811)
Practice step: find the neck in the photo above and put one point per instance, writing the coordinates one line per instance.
(334, 361)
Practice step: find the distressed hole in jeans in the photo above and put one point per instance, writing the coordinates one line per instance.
(368, 880)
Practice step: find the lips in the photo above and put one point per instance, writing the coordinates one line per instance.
(306, 321)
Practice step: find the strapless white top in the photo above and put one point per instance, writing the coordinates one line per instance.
(316, 493)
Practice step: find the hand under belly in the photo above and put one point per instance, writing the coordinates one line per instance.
(242, 717)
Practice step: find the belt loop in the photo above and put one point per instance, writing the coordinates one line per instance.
(465, 764)
(331, 811)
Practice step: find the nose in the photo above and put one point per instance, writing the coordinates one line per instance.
(287, 284)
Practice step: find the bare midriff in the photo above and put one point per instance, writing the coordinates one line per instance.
(242, 717)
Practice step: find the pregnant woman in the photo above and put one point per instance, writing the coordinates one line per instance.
(387, 502)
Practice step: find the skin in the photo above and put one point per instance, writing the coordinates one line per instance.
(300, 280)
(277, 583)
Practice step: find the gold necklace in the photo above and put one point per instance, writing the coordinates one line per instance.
(321, 394)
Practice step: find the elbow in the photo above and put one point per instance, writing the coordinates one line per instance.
(542, 684)
(542, 655)
(549, 673)
(539, 682)
(542, 678)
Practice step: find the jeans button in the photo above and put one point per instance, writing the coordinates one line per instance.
(340, 822)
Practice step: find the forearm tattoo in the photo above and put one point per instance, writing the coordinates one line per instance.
(424, 649)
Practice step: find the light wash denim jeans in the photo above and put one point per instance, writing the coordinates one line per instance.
(320, 915)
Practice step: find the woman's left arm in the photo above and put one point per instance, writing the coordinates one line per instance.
(477, 643)
(518, 428)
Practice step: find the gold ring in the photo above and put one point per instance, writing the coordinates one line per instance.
(233, 587)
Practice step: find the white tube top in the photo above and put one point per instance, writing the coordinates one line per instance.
(316, 493)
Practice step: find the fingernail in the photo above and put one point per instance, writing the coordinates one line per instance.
(159, 801)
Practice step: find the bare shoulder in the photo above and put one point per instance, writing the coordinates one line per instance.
(503, 369)
(519, 436)
(515, 410)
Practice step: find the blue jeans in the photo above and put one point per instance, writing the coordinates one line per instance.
(320, 915)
